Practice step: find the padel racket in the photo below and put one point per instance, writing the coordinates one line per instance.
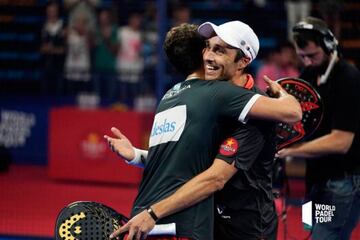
(86, 220)
(312, 109)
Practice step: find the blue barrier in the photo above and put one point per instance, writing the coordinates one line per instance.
(24, 128)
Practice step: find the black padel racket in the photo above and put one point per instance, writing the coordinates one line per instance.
(87, 221)
(312, 108)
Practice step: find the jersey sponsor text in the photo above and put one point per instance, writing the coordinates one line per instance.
(168, 125)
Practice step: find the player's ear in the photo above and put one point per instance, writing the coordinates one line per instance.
(243, 62)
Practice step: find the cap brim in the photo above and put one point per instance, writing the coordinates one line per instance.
(207, 29)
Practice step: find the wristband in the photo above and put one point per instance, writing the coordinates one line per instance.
(152, 214)
(137, 160)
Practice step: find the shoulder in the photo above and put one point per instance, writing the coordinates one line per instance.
(348, 68)
(257, 90)
(223, 84)
(349, 74)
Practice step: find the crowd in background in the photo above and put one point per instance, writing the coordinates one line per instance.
(89, 48)
(92, 53)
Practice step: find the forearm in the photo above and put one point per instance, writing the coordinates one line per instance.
(196, 190)
(337, 142)
(283, 109)
(291, 106)
(191, 193)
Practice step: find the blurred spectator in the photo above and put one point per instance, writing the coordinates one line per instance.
(296, 11)
(330, 11)
(77, 63)
(130, 62)
(280, 63)
(84, 8)
(257, 3)
(105, 55)
(181, 14)
(219, 3)
(150, 41)
(53, 49)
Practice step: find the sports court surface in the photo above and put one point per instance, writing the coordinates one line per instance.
(30, 202)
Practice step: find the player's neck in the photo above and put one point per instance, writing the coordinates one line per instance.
(197, 74)
(240, 80)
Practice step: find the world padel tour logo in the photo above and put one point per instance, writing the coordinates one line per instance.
(229, 147)
(316, 213)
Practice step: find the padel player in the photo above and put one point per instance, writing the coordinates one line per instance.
(185, 128)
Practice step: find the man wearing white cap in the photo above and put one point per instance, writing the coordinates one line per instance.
(222, 61)
(245, 206)
(236, 34)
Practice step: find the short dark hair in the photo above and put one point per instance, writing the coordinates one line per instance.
(183, 47)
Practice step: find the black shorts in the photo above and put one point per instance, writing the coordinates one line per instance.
(246, 224)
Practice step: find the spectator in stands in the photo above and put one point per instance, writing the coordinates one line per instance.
(84, 8)
(281, 62)
(296, 10)
(330, 11)
(147, 101)
(53, 50)
(130, 61)
(181, 14)
(105, 55)
(77, 62)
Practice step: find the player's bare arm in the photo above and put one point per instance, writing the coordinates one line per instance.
(336, 142)
(285, 108)
(192, 192)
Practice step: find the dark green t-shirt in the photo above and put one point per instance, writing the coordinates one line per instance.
(183, 144)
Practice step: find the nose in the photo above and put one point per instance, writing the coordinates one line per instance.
(307, 61)
(208, 56)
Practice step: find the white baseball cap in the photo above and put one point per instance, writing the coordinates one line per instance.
(235, 33)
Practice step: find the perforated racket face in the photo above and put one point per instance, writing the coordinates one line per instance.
(312, 109)
(87, 221)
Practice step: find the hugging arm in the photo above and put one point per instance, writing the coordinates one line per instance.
(192, 192)
(284, 108)
(195, 190)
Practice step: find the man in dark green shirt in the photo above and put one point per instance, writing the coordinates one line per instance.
(184, 134)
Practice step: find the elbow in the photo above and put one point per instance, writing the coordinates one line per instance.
(297, 115)
(293, 116)
(343, 148)
(292, 112)
(341, 141)
(219, 183)
(342, 151)
(215, 182)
